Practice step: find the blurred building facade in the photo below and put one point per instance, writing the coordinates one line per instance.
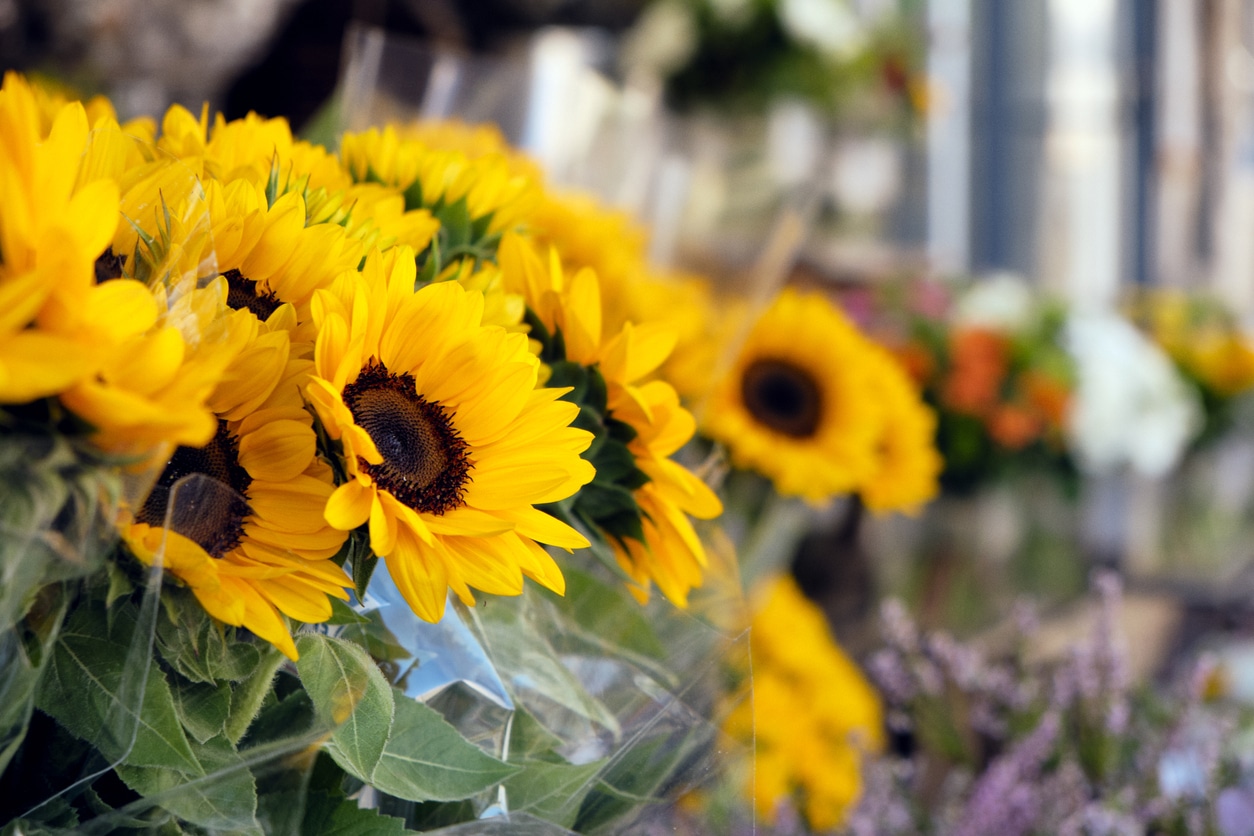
(1095, 143)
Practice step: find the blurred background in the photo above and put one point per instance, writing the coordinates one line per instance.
(1089, 144)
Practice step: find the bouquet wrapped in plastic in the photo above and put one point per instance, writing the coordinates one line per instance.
(334, 492)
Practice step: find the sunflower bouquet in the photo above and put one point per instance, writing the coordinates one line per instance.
(278, 424)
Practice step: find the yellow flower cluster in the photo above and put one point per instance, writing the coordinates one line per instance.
(812, 717)
(813, 404)
(323, 354)
(1203, 339)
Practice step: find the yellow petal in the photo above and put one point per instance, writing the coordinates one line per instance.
(349, 506)
(279, 451)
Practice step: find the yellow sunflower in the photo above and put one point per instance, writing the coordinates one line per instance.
(643, 496)
(252, 148)
(51, 231)
(253, 545)
(269, 256)
(447, 444)
(490, 186)
(908, 465)
(798, 404)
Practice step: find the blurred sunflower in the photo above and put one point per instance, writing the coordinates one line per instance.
(813, 716)
(447, 443)
(641, 499)
(491, 193)
(51, 231)
(254, 148)
(908, 465)
(799, 403)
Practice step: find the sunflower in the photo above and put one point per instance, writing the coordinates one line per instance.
(813, 715)
(268, 255)
(256, 547)
(798, 404)
(447, 443)
(495, 193)
(253, 148)
(907, 462)
(51, 231)
(641, 500)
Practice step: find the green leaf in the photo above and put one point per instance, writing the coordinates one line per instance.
(529, 740)
(202, 707)
(601, 501)
(26, 649)
(327, 815)
(342, 613)
(222, 797)
(373, 634)
(551, 791)
(522, 651)
(93, 684)
(607, 616)
(425, 759)
(351, 695)
(631, 780)
(57, 816)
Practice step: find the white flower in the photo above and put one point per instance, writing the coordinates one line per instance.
(1002, 302)
(1131, 407)
(663, 39)
(829, 25)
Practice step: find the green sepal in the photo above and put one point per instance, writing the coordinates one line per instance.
(200, 648)
(272, 182)
(361, 560)
(412, 195)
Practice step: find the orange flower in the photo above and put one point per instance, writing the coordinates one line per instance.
(1048, 396)
(980, 360)
(1013, 426)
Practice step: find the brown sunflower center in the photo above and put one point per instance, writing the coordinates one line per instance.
(426, 464)
(243, 293)
(211, 516)
(782, 397)
(109, 266)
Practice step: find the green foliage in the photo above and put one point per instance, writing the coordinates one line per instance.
(350, 695)
(384, 738)
(552, 791)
